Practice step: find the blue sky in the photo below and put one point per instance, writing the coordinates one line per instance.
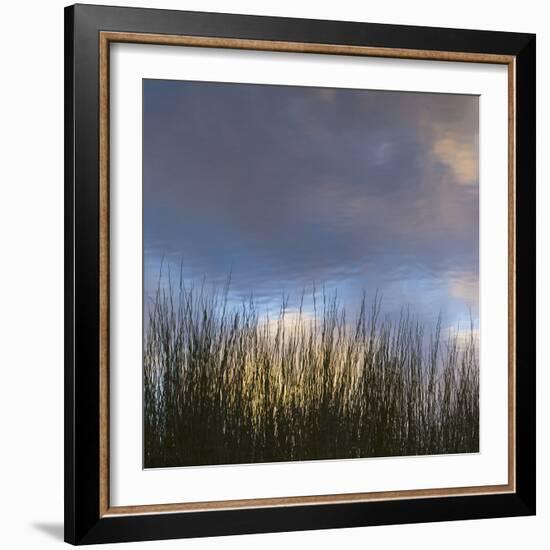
(285, 186)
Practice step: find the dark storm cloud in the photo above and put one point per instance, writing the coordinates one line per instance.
(285, 185)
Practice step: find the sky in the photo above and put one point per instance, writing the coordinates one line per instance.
(284, 187)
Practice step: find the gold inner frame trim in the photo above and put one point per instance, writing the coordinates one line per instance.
(105, 39)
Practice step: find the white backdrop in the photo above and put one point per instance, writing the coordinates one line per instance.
(31, 320)
(130, 483)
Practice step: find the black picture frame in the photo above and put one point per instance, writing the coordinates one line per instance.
(84, 523)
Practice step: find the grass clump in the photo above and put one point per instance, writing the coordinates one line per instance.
(226, 385)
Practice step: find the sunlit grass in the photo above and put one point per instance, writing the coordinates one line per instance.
(224, 385)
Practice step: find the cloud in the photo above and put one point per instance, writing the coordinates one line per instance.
(285, 185)
(459, 156)
(465, 287)
(462, 336)
(292, 320)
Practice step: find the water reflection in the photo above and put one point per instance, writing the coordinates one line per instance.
(287, 187)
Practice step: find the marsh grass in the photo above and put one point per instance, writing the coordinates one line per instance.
(226, 385)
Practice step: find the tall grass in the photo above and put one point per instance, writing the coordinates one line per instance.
(225, 385)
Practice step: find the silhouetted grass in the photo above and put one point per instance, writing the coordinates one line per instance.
(224, 385)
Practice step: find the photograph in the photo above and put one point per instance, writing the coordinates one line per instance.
(299, 272)
(310, 273)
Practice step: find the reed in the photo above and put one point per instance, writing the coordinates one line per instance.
(223, 384)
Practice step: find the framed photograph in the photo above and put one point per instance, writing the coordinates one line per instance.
(300, 274)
